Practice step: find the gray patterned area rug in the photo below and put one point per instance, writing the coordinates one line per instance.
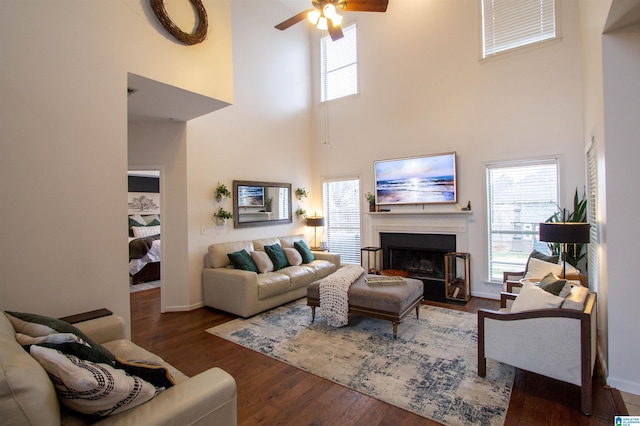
(430, 369)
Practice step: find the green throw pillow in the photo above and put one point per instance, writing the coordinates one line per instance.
(277, 256)
(552, 284)
(39, 325)
(242, 260)
(303, 248)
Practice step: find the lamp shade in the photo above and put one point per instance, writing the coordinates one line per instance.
(564, 232)
(315, 221)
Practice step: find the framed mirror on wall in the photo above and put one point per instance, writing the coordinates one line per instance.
(261, 203)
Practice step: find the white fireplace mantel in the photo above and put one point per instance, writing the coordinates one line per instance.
(447, 223)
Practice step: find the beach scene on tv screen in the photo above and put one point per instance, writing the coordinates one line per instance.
(419, 180)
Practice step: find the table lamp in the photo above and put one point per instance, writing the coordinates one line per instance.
(564, 233)
(315, 222)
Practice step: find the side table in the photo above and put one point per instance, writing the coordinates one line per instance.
(372, 253)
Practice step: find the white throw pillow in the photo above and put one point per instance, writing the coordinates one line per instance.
(293, 256)
(262, 261)
(577, 297)
(533, 297)
(92, 388)
(145, 231)
(538, 269)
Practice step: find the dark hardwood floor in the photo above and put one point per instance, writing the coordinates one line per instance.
(273, 393)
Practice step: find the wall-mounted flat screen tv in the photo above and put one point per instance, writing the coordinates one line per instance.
(250, 196)
(428, 179)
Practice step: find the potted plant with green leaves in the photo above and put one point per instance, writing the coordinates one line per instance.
(221, 216)
(268, 202)
(300, 212)
(371, 199)
(574, 253)
(301, 193)
(222, 192)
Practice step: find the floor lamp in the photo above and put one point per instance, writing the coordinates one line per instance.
(564, 233)
(315, 222)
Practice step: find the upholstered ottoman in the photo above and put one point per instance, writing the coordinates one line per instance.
(391, 303)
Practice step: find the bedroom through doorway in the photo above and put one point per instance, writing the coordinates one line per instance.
(144, 218)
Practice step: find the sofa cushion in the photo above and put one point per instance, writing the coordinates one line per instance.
(259, 244)
(155, 373)
(241, 259)
(27, 395)
(35, 325)
(287, 242)
(299, 276)
(533, 297)
(218, 252)
(293, 256)
(92, 388)
(272, 284)
(277, 256)
(322, 268)
(305, 252)
(262, 261)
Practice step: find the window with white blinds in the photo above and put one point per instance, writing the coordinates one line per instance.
(592, 218)
(510, 24)
(519, 196)
(339, 65)
(342, 218)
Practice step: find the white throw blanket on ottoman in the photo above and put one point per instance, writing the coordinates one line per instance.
(334, 301)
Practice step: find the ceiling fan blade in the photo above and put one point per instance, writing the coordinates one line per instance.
(364, 5)
(334, 31)
(293, 20)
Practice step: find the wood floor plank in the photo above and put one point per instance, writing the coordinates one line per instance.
(273, 393)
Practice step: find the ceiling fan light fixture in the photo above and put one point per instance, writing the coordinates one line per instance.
(329, 11)
(313, 16)
(336, 20)
(322, 24)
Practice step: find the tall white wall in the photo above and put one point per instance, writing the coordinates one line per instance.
(63, 114)
(621, 59)
(423, 90)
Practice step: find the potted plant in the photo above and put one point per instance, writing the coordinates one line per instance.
(221, 216)
(371, 199)
(267, 204)
(301, 193)
(300, 212)
(574, 252)
(222, 192)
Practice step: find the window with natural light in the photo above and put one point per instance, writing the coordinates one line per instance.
(339, 65)
(519, 197)
(512, 24)
(342, 218)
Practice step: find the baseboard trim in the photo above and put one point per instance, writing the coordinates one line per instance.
(184, 308)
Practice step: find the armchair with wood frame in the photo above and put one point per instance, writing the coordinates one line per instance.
(555, 342)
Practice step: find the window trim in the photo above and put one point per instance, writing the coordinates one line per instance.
(520, 49)
(547, 159)
(325, 35)
(338, 178)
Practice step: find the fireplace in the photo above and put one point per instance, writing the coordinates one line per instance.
(421, 256)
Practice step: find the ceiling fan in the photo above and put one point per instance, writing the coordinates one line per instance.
(325, 14)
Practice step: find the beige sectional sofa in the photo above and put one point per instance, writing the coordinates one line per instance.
(247, 293)
(28, 397)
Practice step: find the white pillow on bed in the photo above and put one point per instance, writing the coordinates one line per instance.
(145, 231)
